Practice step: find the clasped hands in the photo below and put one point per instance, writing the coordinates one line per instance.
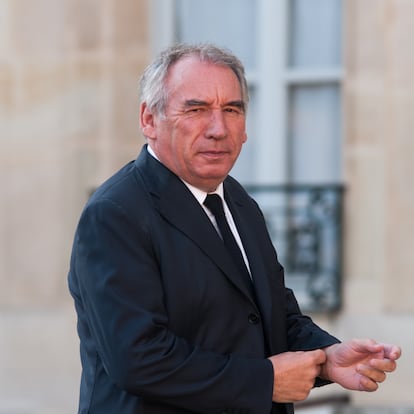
(359, 364)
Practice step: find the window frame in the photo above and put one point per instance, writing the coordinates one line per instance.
(271, 80)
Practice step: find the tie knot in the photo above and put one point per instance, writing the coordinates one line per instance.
(214, 203)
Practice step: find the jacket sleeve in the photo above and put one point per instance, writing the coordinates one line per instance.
(304, 334)
(121, 293)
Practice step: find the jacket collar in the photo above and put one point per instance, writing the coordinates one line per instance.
(179, 207)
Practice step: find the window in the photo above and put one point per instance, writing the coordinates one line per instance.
(313, 74)
(292, 53)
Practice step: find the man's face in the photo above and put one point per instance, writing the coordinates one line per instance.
(204, 128)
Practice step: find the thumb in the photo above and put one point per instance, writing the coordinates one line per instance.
(392, 352)
(319, 356)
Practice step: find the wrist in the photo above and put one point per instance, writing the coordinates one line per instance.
(325, 371)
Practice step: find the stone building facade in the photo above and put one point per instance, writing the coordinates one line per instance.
(69, 118)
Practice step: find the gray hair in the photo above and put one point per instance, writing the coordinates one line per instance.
(152, 83)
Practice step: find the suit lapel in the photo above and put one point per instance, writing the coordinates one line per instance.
(239, 206)
(179, 207)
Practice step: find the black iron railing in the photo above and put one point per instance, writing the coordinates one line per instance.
(305, 224)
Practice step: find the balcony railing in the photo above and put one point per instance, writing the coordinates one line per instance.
(305, 224)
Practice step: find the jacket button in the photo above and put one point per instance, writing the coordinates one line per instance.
(253, 319)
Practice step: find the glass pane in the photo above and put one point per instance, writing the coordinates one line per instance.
(229, 23)
(315, 33)
(244, 168)
(314, 134)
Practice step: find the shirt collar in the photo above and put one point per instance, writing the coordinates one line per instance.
(151, 151)
(201, 195)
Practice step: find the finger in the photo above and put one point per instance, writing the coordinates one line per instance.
(371, 373)
(318, 370)
(385, 365)
(319, 356)
(366, 384)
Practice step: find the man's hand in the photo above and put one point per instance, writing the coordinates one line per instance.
(360, 364)
(295, 373)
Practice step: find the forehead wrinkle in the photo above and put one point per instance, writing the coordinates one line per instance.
(177, 80)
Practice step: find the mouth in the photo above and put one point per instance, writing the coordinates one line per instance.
(214, 154)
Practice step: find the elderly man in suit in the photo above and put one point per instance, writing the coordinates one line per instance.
(180, 297)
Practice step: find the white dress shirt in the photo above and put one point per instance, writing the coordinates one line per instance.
(200, 196)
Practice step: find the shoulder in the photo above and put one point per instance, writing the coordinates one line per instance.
(233, 187)
(121, 188)
(238, 193)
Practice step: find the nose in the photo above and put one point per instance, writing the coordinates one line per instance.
(216, 127)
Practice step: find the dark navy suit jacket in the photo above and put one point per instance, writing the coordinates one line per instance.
(165, 323)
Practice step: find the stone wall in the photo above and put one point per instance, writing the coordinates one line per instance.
(68, 119)
(379, 159)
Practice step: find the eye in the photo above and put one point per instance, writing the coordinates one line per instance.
(195, 110)
(235, 107)
(233, 110)
(194, 106)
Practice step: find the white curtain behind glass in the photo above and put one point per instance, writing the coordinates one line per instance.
(315, 33)
(228, 23)
(314, 126)
(314, 111)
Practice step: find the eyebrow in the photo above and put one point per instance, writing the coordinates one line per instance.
(195, 102)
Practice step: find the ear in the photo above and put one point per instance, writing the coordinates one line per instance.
(244, 138)
(147, 121)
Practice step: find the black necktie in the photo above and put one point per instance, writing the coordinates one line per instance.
(214, 203)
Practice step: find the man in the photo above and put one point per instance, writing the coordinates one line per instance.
(169, 321)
